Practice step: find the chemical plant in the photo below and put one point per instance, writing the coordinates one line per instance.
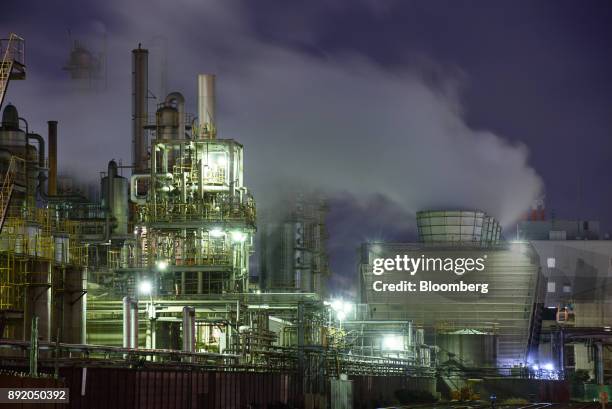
(145, 297)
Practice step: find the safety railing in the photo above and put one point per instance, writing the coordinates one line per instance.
(186, 212)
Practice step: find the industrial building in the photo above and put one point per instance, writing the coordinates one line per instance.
(150, 276)
(576, 308)
(292, 243)
(491, 329)
(155, 268)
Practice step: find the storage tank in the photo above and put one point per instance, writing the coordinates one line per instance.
(13, 143)
(167, 120)
(62, 249)
(118, 205)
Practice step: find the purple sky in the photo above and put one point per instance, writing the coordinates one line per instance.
(390, 106)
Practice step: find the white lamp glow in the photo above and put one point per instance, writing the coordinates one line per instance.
(238, 236)
(145, 287)
(393, 342)
(216, 232)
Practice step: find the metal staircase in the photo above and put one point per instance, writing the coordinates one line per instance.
(12, 66)
(8, 187)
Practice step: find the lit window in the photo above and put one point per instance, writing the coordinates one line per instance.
(551, 262)
(567, 288)
(551, 287)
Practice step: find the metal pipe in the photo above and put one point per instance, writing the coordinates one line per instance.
(110, 197)
(140, 84)
(189, 326)
(34, 347)
(41, 149)
(206, 106)
(52, 139)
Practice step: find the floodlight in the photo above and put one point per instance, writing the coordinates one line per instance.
(145, 287)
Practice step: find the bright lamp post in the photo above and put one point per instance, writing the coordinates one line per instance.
(341, 309)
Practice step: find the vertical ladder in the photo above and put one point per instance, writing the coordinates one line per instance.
(12, 66)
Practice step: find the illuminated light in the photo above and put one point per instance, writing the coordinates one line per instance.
(145, 287)
(393, 342)
(549, 366)
(257, 291)
(238, 236)
(221, 161)
(535, 367)
(216, 233)
(161, 264)
(341, 308)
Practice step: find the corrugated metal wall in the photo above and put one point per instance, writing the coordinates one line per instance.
(108, 388)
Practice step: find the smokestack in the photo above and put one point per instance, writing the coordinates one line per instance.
(206, 106)
(52, 137)
(140, 86)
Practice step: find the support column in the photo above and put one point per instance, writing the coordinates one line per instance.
(599, 365)
(130, 323)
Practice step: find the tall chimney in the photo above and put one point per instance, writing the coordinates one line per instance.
(52, 137)
(140, 86)
(206, 106)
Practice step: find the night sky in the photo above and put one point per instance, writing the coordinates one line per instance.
(386, 106)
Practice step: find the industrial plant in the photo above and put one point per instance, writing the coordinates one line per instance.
(169, 289)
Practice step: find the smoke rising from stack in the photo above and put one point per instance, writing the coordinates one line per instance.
(345, 125)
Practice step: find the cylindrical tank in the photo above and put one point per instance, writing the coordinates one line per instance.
(61, 249)
(119, 202)
(125, 254)
(206, 105)
(475, 350)
(38, 301)
(13, 143)
(167, 118)
(33, 233)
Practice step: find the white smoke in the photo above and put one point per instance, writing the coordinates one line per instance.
(342, 124)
